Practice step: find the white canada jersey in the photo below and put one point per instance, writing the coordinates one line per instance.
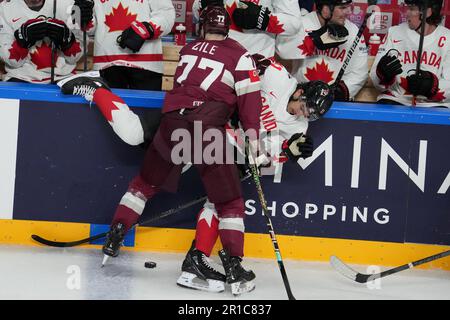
(435, 59)
(276, 124)
(325, 64)
(284, 19)
(34, 64)
(112, 17)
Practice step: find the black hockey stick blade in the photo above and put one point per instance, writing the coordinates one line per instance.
(62, 244)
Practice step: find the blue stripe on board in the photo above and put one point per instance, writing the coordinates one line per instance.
(51, 93)
(154, 99)
(101, 228)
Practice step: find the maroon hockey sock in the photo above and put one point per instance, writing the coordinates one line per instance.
(233, 242)
(125, 216)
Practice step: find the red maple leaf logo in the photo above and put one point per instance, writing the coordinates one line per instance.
(274, 25)
(17, 53)
(42, 56)
(307, 46)
(230, 10)
(73, 50)
(119, 19)
(320, 72)
(404, 85)
(438, 96)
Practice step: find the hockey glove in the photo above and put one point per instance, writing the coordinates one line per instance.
(298, 146)
(31, 31)
(134, 37)
(205, 3)
(251, 16)
(86, 11)
(150, 123)
(329, 36)
(60, 34)
(341, 92)
(261, 63)
(423, 84)
(388, 67)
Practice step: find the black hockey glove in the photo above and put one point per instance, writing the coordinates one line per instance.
(423, 84)
(329, 36)
(31, 31)
(205, 3)
(388, 67)
(60, 34)
(298, 146)
(261, 63)
(150, 123)
(134, 37)
(251, 16)
(86, 12)
(341, 92)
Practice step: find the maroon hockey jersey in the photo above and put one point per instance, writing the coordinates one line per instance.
(212, 70)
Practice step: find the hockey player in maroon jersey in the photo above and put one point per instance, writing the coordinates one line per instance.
(215, 77)
(393, 72)
(287, 108)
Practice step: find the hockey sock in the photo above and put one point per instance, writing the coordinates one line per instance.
(125, 123)
(207, 230)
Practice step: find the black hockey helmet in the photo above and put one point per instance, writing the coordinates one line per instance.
(318, 97)
(435, 5)
(215, 19)
(331, 4)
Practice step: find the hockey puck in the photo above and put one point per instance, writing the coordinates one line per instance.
(150, 264)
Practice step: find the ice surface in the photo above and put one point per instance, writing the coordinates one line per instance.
(28, 272)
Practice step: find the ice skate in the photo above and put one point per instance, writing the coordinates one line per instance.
(197, 273)
(114, 240)
(240, 280)
(83, 84)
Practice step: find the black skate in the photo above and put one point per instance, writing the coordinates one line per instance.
(83, 84)
(114, 240)
(241, 280)
(197, 273)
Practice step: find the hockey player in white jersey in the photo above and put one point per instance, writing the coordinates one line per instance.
(28, 28)
(128, 47)
(394, 70)
(257, 23)
(320, 48)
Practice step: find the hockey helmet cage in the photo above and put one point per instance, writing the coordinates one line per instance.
(318, 97)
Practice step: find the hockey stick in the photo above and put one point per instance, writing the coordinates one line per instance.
(164, 214)
(85, 51)
(422, 36)
(356, 41)
(348, 272)
(255, 176)
(62, 244)
(53, 52)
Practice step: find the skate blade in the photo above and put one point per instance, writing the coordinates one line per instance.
(90, 74)
(190, 280)
(105, 258)
(240, 287)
